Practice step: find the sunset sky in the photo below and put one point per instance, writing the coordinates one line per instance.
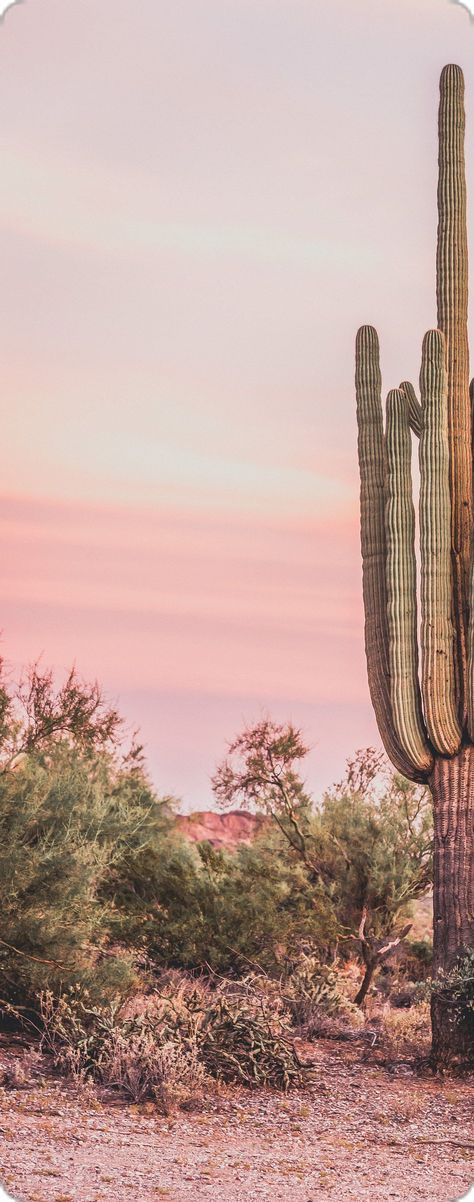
(201, 201)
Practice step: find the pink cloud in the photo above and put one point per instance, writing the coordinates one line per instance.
(174, 604)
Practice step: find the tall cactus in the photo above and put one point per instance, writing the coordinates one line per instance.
(426, 717)
(452, 290)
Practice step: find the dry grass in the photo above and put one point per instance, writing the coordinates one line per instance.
(141, 1067)
(407, 1032)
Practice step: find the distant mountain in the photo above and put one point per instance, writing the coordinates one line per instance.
(222, 830)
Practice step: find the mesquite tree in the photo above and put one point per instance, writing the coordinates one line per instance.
(426, 717)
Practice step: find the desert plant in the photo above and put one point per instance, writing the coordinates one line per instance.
(242, 1030)
(75, 807)
(359, 848)
(76, 1030)
(406, 1032)
(138, 1055)
(428, 727)
(240, 1042)
(163, 1049)
(142, 1066)
(311, 984)
(311, 991)
(377, 836)
(454, 996)
(192, 906)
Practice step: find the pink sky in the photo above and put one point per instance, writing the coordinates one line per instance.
(200, 203)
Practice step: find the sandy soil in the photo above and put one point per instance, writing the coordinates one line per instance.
(360, 1132)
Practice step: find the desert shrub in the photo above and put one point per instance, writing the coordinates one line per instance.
(367, 846)
(137, 1055)
(454, 991)
(68, 815)
(407, 1032)
(264, 906)
(311, 983)
(311, 989)
(192, 906)
(315, 996)
(144, 1066)
(239, 1043)
(76, 1030)
(164, 1047)
(241, 1029)
(377, 846)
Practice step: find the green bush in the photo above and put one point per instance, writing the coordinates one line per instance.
(65, 822)
(377, 847)
(454, 991)
(192, 906)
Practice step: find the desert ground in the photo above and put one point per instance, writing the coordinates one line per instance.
(362, 1130)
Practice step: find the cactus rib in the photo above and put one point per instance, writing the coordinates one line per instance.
(414, 407)
(452, 297)
(437, 634)
(401, 587)
(373, 542)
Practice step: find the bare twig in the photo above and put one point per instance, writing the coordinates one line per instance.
(29, 956)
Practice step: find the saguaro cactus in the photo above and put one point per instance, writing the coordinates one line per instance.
(426, 716)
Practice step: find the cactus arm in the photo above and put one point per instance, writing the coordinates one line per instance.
(470, 708)
(437, 634)
(470, 711)
(471, 398)
(414, 407)
(452, 296)
(373, 542)
(401, 587)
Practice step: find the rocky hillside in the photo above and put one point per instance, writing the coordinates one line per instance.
(222, 830)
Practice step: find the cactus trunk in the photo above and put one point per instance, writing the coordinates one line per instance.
(452, 788)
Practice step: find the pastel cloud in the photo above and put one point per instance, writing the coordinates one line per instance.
(196, 612)
(231, 605)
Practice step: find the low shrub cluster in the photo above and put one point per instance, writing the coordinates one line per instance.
(240, 1043)
(314, 994)
(171, 1044)
(407, 1031)
(454, 991)
(457, 987)
(167, 1047)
